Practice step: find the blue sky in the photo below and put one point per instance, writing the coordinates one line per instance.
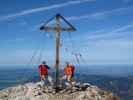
(104, 31)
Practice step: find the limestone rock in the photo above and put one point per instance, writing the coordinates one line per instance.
(33, 91)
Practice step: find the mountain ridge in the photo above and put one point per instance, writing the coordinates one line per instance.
(32, 91)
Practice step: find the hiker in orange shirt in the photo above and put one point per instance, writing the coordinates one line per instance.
(69, 73)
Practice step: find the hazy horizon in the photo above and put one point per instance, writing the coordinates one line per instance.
(109, 70)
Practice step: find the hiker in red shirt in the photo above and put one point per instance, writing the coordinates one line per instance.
(43, 71)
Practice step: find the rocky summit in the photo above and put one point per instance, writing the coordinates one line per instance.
(33, 91)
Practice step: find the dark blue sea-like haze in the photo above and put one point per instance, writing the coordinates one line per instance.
(115, 78)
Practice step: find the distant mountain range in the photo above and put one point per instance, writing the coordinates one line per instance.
(116, 79)
(121, 86)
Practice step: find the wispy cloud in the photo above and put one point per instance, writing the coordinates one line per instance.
(15, 40)
(97, 15)
(127, 1)
(103, 14)
(119, 34)
(113, 33)
(35, 10)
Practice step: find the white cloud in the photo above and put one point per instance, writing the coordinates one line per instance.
(112, 33)
(35, 10)
(127, 1)
(14, 40)
(99, 15)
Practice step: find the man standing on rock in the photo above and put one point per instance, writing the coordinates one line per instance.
(43, 71)
(69, 74)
